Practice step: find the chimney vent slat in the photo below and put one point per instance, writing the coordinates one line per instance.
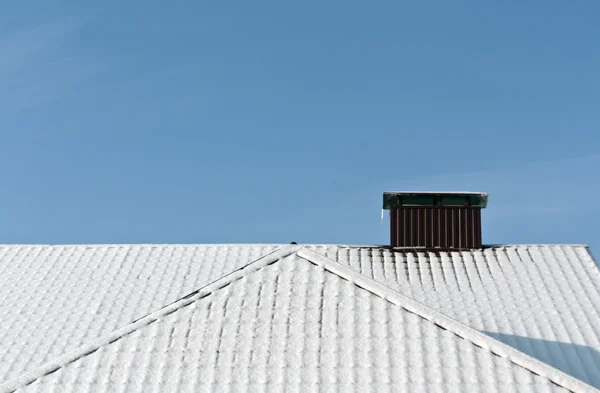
(435, 220)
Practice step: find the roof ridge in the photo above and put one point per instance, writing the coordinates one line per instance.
(445, 322)
(440, 320)
(134, 244)
(485, 246)
(92, 346)
(265, 244)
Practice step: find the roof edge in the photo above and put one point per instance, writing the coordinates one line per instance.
(134, 244)
(445, 322)
(265, 244)
(537, 245)
(484, 246)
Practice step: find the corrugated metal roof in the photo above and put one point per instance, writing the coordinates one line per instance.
(53, 299)
(289, 322)
(542, 300)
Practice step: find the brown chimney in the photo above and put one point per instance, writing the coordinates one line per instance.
(434, 220)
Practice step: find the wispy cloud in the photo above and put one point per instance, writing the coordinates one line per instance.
(21, 47)
(38, 65)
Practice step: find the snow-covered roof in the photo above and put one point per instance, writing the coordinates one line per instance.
(542, 299)
(334, 315)
(54, 299)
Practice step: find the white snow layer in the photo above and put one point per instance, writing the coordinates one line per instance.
(56, 300)
(295, 321)
(541, 299)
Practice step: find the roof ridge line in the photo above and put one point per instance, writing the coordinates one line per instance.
(447, 323)
(133, 244)
(494, 245)
(92, 346)
(485, 246)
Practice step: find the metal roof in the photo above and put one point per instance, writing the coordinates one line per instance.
(541, 299)
(60, 302)
(295, 320)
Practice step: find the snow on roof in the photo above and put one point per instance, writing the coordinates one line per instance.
(58, 300)
(54, 299)
(294, 320)
(541, 299)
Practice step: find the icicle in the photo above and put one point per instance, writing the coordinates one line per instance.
(382, 216)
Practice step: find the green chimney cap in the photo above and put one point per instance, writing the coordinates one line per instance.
(434, 198)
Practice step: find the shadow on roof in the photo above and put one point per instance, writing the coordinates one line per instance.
(560, 355)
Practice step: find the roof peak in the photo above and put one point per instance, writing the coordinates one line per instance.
(495, 245)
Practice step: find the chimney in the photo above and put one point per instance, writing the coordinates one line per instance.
(435, 220)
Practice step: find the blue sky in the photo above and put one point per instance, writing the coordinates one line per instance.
(191, 122)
